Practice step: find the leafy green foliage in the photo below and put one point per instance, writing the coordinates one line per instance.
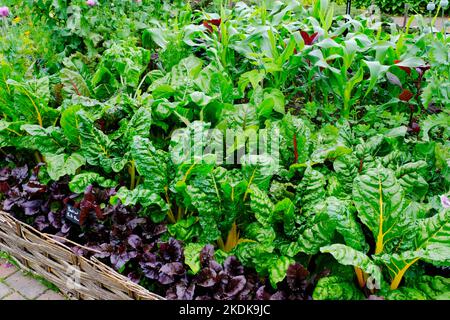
(424, 288)
(334, 288)
(397, 7)
(164, 105)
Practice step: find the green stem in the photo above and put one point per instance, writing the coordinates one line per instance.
(38, 157)
(132, 171)
(170, 214)
(444, 28)
(180, 214)
(346, 111)
(138, 180)
(140, 85)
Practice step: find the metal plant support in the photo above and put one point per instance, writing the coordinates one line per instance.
(349, 6)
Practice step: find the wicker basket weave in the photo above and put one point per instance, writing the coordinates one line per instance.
(76, 276)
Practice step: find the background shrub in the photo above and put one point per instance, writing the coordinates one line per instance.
(394, 6)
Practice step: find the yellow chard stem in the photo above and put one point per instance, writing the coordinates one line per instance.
(399, 276)
(232, 238)
(360, 277)
(180, 213)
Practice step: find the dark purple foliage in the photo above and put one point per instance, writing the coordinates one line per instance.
(171, 250)
(26, 198)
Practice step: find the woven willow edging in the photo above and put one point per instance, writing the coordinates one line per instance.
(76, 276)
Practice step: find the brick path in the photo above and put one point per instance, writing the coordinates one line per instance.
(14, 285)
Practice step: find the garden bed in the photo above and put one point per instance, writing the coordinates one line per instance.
(243, 152)
(75, 276)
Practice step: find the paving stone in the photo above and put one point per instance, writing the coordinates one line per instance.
(6, 269)
(50, 295)
(4, 290)
(14, 296)
(27, 286)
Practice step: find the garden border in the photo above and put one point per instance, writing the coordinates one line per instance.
(43, 255)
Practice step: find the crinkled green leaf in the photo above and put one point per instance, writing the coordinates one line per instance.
(139, 124)
(45, 140)
(81, 181)
(261, 206)
(95, 145)
(152, 164)
(311, 189)
(435, 120)
(286, 208)
(379, 199)
(295, 127)
(74, 83)
(181, 77)
(59, 165)
(343, 215)
(424, 288)
(30, 101)
(432, 238)
(278, 270)
(349, 256)
(185, 229)
(263, 234)
(318, 233)
(346, 168)
(154, 206)
(258, 170)
(192, 256)
(70, 124)
(336, 288)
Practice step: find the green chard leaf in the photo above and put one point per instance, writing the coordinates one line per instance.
(192, 256)
(336, 288)
(424, 288)
(95, 145)
(70, 124)
(349, 256)
(152, 164)
(154, 206)
(31, 100)
(60, 165)
(379, 199)
(261, 206)
(311, 190)
(278, 270)
(81, 181)
(140, 124)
